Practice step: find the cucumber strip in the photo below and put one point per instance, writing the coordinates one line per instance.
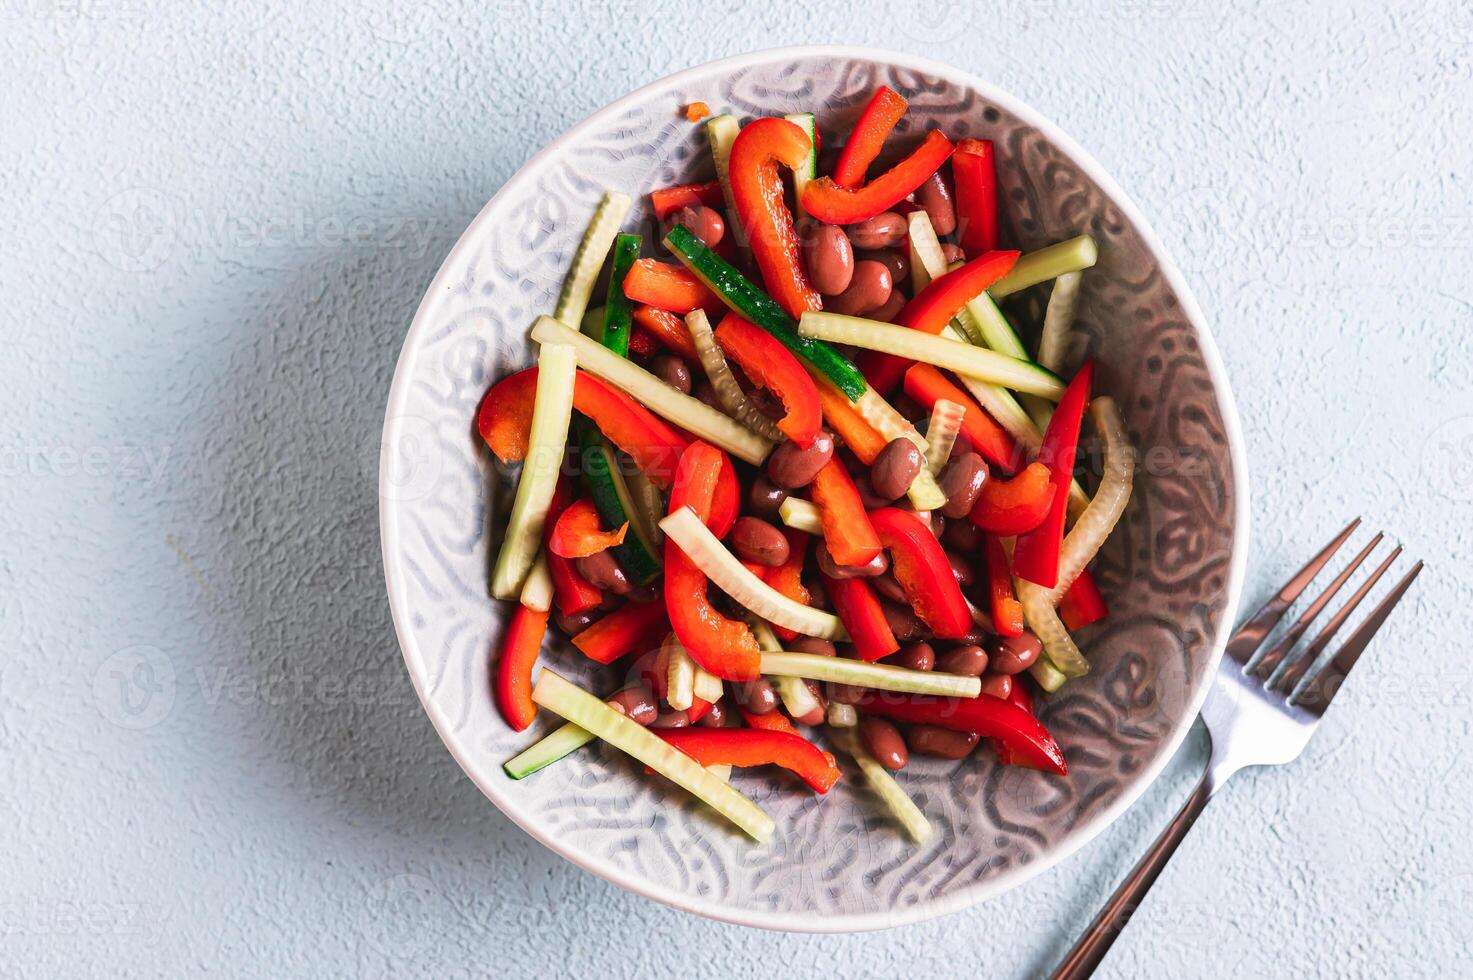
(619, 312)
(1049, 677)
(561, 742)
(721, 771)
(927, 261)
(842, 715)
(728, 392)
(722, 132)
(796, 698)
(648, 503)
(593, 322)
(611, 498)
(909, 816)
(878, 677)
(589, 259)
(766, 638)
(800, 515)
(1058, 320)
(537, 590)
(943, 352)
(1074, 255)
(680, 676)
(807, 171)
(888, 422)
(690, 533)
(706, 686)
(551, 413)
(941, 431)
(564, 698)
(738, 292)
(994, 329)
(696, 417)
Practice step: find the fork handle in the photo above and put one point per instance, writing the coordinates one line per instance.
(1091, 948)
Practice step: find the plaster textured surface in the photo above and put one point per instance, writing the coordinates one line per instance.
(217, 227)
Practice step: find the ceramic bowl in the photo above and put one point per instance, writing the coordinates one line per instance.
(1172, 571)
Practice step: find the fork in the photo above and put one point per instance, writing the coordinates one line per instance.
(1259, 712)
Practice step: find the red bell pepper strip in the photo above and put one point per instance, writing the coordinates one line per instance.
(1019, 695)
(923, 571)
(860, 611)
(1016, 506)
(668, 287)
(1083, 603)
(505, 422)
(579, 534)
(667, 200)
(984, 715)
(667, 328)
(1036, 555)
(698, 709)
(767, 363)
(754, 747)
(787, 578)
(974, 170)
(868, 137)
(571, 592)
(726, 499)
(633, 628)
(757, 192)
(861, 437)
(724, 647)
(927, 386)
(519, 649)
(827, 201)
(847, 531)
(1007, 611)
(932, 308)
(773, 721)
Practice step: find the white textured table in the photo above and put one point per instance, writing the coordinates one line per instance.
(216, 228)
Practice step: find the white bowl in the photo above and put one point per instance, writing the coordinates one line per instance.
(1172, 572)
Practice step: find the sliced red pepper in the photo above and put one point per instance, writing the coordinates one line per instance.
(773, 721)
(1036, 555)
(927, 386)
(698, 709)
(1007, 611)
(862, 438)
(757, 192)
(974, 170)
(726, 499)
(754, 747)
(923, 571)
(505, 417)
(571, 592)
(1016, 506)
(787, 578)
(668, 287)
(633, 628)
(770, 365)
(667, 328)
(932, 308)
(667, 200)
(1019, 695)
(859, 609)
(578, 532)
(847, 531)
(724, 647)
(984, 715)
(519, 649)
(880, 115)
(1083, 603)
(827, 201)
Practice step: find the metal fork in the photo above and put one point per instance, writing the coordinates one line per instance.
(1259, 712)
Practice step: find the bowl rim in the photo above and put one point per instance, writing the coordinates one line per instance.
(795, 920)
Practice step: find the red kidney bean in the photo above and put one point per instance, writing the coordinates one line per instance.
(578, 622)
(904, 623)
(766, 497)
(637, 703)
(881, 231)
(790, 466)
(715, 717)
(894, 259)
(935, 522)
(758, 542)
(1015, 654)
(895, 468)
(673, 371)
(968, 660)
(869, 289)
(648, 592)
(916, 656)
(911, 409)
(962, 569)
(828, 257)
(942, 743)
(703, 222)
(886, 585)
(891, 308)
(812, 644)
(846, 693)
(997, 685)
(706, 394)
(671, 718)
(603, 572)
(952, 253)
(756, 696)
(962, 535)
(962, 481)
(882, 740)
(936, 196)
(826, 564)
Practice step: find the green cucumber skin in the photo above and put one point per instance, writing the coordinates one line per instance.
(638, 563)
(738, 292)
(619, 312)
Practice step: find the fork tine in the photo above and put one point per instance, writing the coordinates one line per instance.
(1290, 678)
(1250, 636)
(1272, 659)
(1320, 691)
